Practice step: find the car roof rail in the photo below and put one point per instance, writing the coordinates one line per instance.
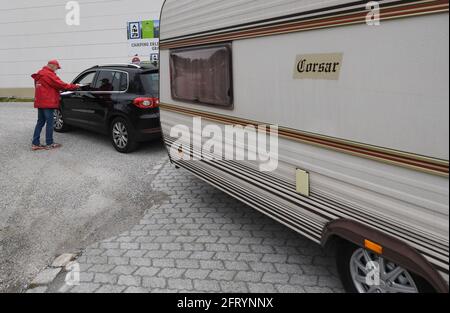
(130, 65)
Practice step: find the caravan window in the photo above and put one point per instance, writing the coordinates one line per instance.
(202, 75)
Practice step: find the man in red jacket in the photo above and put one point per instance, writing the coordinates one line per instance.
(48, 86)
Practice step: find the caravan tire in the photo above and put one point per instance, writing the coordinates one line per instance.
(355, 264)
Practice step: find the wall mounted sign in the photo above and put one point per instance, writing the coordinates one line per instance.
(318, 66)
(143, 39)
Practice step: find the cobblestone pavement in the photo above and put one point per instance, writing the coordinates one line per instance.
(202, 240)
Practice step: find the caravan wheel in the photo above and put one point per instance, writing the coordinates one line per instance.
(363, 271)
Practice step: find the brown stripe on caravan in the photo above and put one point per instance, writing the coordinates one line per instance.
(385, 155)
(388, 12)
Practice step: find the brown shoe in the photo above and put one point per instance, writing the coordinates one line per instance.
(38, 148)
(54, 146)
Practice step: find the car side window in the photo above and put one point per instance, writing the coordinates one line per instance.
(120, 82)
(86, 80)
(111, 81)
(104, 81)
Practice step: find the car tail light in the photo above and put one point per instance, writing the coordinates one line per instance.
(146, 103)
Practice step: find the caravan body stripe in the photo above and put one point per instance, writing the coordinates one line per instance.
(386, 155)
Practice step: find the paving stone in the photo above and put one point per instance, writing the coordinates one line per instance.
(124, 269)
(104, 278)
(261, 288)
(183, 284)
(196, 273)
(154, 282)
(275, 278)
(274, 258)
(250, 257)
(206, 285)
(135, 253)
(45, 277)
(234, 287)
(97, 259)
(147, 271)
(164, 263)
(187, 264)
(141, 261)
(212, 265)
(110, 289)
(330, 281)
(133, 289)
(101, 268)
(222, 275)
(248, 276)
(114, 252)
(237, 266)
(262, 267)
(129, 246)
(179, 254)
(171, 272)
(318, 289)
(202, 255)
(85, 288)
(156, 254)
(118, 260)
(289, 268)
(304, 280)
(290, 289)
(93, 252)
(86, 277)
(129, 280)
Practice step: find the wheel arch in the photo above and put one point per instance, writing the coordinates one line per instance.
(113, 116)
(393, 249)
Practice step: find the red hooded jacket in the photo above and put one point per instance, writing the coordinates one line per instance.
(48, 86)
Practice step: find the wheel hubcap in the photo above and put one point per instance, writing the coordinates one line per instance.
(58, 120)
(373, 274)
(120, 135)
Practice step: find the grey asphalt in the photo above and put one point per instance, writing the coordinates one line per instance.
(139, 224)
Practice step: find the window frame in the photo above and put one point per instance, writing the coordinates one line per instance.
(229, 47)
(83, 75)
(97, 73)
(112, 92)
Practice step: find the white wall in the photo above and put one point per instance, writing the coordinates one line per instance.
(32, 32)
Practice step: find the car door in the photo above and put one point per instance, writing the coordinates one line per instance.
(75, 104)
(110, 84)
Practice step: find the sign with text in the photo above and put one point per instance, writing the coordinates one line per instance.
(318, 66)
(134, 30)
(143, 39)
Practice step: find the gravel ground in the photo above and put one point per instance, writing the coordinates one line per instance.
(53, 202)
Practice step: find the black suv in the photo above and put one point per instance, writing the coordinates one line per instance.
(119, 100)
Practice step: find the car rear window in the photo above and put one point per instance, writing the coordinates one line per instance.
(148, 84)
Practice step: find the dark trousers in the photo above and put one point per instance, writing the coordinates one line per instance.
(45, 118)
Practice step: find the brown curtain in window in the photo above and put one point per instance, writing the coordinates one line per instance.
(202, 75)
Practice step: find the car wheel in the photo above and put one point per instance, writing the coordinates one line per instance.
(122, 136)
(363, 271)
(58, 122)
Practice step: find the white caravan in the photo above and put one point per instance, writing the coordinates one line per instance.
(360, 94)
